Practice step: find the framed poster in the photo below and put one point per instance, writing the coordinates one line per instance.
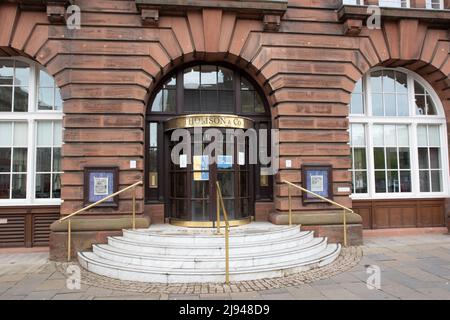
(100, 182)
(318, 179)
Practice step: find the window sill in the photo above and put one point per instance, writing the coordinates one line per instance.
(27, 203)
(399, 196)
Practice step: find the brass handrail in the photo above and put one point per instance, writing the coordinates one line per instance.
(344, 218)
(219, 204)
(69, 226)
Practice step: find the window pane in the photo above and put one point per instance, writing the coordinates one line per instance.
(375, 81)
(433, 133)
(20, 134)
(393, 185)
(434, 158)
(192, 78)
(22, 74)
(245, 85)
(359, 158)
(153, 160)
(402, 83)
(57, 134)
(45, 98)
(210, 100)
(388, 81)
(422, 138)
(423, 158)
(356, 104)
(358, 135)
(259, 106)
(5, 99)
(208, 77)
(226, 180)
(153, 134)
(403, 135)
(45, 80)
(20, 99)
(358, 87)
(169, 100)
(192, 100)
(247, 101)
(44, 133)
(436, 181)
(56, 159)
(56, 193)
(19, 186)
(43, 159)
(19, 160)
(378, 155)
(6, 72)
(4, 186)
(402, 105)
(157, 102)
(390, 135)
(420, 105)
(391, 158)
(405, 181)
(418, 88)
(360, 183)
(431, 108)
(5, 134)
(171, 83)
(58, 99)
(43, 186)
(404, 159)
(5, 159)
(225, 79)
(380, 182)
(377, 104)
(424, 179)
(226, 101)
(389, 105)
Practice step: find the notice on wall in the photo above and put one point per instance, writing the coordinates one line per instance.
(241, 158)
(183, 160)
(224, 162)
(201, 165)
(317, 183)
(100, 186)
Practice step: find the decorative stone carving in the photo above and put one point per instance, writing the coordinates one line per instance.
(56, 12)
(352, 27)
(271, 22)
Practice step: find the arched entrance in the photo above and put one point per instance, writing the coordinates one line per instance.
(201, 105)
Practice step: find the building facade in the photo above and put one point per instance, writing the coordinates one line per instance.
(371, 101)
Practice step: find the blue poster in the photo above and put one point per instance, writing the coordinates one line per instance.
(224, 162)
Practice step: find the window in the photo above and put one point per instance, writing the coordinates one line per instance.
(30, 134)
(353, 2)
(397, 137)
(435, 4)
(394, 3)
(206, 88)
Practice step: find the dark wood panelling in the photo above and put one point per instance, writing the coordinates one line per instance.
(410, 213)
(26, 226)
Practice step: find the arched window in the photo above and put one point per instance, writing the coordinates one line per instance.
(30, 134)
(208, 88)
(398, 137)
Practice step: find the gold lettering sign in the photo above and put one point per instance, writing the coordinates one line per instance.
(209, 120)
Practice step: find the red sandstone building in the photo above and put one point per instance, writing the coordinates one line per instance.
(371, 103)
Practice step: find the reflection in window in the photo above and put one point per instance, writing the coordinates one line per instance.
(358, 154)
(14, 85)
(429, 154)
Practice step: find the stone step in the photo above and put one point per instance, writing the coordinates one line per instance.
(208, 236)
(189, 261)
(123, 271)
(210, 249)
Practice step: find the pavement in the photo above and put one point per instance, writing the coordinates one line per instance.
(394, 266)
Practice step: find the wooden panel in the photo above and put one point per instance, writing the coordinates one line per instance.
(409, 213)
(26, 226)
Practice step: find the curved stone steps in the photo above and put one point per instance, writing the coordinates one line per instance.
(210, 249)
(117, 270)
(187, 261)
(208, 236)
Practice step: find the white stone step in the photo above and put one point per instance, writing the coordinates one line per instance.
(210, 249)
(208, 236)
(189, 261)
(117, 270)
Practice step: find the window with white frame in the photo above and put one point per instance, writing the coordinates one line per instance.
(397, 137)
(30, 134)
(394, 3)
(353, 2)
(435, 4)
